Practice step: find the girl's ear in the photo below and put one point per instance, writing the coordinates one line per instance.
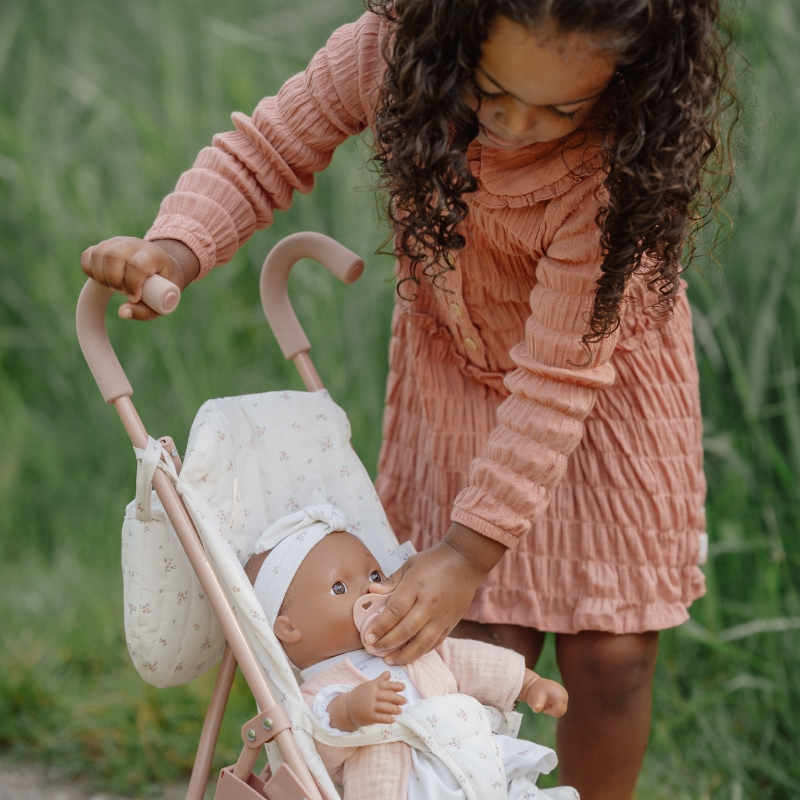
(285, 632)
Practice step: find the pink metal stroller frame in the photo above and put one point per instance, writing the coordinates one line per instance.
(293, 779)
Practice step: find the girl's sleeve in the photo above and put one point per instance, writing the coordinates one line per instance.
(236, 184)
(555, 384)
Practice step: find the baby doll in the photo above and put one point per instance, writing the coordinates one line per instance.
(308, 585)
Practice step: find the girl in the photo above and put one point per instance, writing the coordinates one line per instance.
(543, 161)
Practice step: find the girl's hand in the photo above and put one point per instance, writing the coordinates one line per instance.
(544, 695)
(378, 700)
(432, 591)
(124, 263)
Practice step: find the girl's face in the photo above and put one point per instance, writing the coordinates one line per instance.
(533, 87)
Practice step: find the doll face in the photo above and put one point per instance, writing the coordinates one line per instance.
(318, 620)
(535, 87)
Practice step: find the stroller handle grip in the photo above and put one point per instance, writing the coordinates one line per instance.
(158, 293)
(343, 263)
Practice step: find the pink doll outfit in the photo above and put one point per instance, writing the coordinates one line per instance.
(444, 692)
(590, 471)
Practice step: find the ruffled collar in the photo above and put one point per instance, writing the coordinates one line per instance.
(535, 173)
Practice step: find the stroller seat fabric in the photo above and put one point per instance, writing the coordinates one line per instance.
(250, 460)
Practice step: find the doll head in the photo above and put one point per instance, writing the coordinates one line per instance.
(315, 620)
(327, 572)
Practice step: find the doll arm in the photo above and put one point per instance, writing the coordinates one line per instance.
(492, 675)
(554, 386)
(542, 694)
(236, 184)
(376, 701)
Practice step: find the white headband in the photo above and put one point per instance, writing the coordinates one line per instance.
(291, 539)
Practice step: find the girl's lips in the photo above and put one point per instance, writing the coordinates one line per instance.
(496, 140)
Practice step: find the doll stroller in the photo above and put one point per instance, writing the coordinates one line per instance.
(249, 460)
(201, 537)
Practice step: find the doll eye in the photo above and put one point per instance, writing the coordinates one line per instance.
(375, 576)
(338, 588)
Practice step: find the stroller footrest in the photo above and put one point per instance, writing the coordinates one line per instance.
(232, 788)
(283, 785)
(265, 727)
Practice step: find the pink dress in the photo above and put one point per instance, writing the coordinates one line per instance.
(589, 471)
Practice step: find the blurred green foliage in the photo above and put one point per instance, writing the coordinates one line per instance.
(101, 106)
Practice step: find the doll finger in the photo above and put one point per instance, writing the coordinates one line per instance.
(388, 708)
(537, 705)
(391, 697)
(557, 708)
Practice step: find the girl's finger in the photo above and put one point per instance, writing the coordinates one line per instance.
(115, 257)
(423, 642)
(399, 635)
(137, 311)
(395, 611)
(95, 250)
(395, 579)
(147, 260)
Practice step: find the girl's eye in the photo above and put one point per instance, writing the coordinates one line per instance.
(481, 94)
(565, 114)
(375, 576)
(338, 588)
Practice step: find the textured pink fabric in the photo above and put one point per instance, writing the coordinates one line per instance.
(490, 392)
(492, 675)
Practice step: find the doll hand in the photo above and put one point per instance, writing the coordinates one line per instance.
(432, 591)
(545, 695)
(124, 263)
(378, 700)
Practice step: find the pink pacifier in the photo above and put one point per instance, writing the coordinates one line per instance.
(366, 611)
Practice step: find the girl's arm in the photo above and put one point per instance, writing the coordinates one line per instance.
(539, 425)
(236, 184)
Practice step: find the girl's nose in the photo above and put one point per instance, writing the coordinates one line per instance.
(515, 119)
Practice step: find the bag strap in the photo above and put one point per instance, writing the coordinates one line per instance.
(147, 462)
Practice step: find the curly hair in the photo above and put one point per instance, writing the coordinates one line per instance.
(664, 142)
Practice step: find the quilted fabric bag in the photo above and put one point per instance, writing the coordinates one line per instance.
(171, 631)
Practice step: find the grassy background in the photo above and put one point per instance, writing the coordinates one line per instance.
(101, 106)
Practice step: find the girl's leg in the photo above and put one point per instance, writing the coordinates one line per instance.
(526, 641)
(603, 736)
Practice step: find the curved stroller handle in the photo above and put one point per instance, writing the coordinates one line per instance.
(163, 296)
(343, 263)
(158, 293)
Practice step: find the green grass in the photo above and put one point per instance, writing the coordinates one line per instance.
(101, 106)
